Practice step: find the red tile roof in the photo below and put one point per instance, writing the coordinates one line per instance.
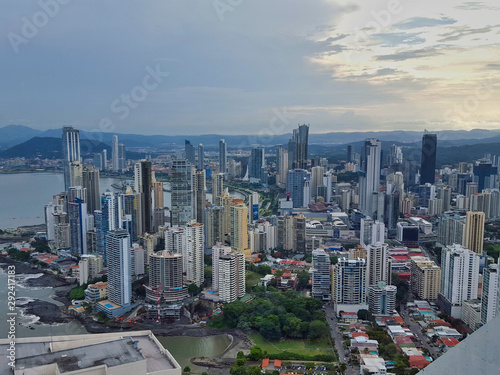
(265, 362)
(418, 361)
(277, 363)
(449, 341)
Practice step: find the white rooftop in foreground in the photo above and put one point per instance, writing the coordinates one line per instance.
(125, 353)
(479, 353)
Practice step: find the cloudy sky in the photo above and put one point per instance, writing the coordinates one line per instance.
(249, 66)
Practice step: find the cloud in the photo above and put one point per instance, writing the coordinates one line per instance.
(396, 39)
(460, 32)
(475, 5)
(418, 22)
(406, 55)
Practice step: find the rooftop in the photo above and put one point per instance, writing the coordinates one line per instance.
(79, 353)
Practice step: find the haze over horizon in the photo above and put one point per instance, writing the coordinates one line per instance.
(244, 67)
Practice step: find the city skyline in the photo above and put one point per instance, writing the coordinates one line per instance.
(339, 66)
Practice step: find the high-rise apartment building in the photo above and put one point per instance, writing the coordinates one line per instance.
(70, 151)
(489, 293)
(231, 272)
(78, 222)
(217, 186)
(217, 251)
(459, 278)
(165, 277)
(194, 252)
(183, 192)
(349, 284)
(200, 194)
(451, 229)
(90, 179)
(378, 263)
(321, 275)
(253, 207)
(239, 228)
(425, 278)
(473, 238)
(428, 159)
(119, 267)
(215, 225)
(382, 298)
(143, 176)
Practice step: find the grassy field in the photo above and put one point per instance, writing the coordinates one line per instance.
(296, 346)
(252, 278)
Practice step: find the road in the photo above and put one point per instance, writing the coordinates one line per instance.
(417, 331)
(339, 342)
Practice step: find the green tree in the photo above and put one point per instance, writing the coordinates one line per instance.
(303, 278)
(317, 330)
(186, 370)
(256, 354)
(238, 370)
(270, 328)
(365, 315)
(77, 293)
(241, 361)
(342, 367)
(253, 370)
(193, 289)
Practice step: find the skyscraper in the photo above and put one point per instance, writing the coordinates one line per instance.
(215, 225)
(165, 274)
(231, 272)
(316, 180)
(119, 267)
(200, 195)
(142, 184)
(489, 293)
(378, 264)
(239, 228)
(183, 192)
(253, 207)
(321, 275)
(349, 283)
(217, 186)
(256, 164)
(282, 165)
(201, 157)
(298, 148)
(295, 181)
(122, 157)
(130, 204)
(473, 237)
(190, 152)
(217, 251)
(369, 176)
(349, 153)
(194, 252)
(90, 179)
(428, 159)
(222, 157)
(70, 151)
(459, 279)
(78, 221)
(115, 164)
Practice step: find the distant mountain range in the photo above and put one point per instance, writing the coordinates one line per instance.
(12, 135)
(453, 145)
